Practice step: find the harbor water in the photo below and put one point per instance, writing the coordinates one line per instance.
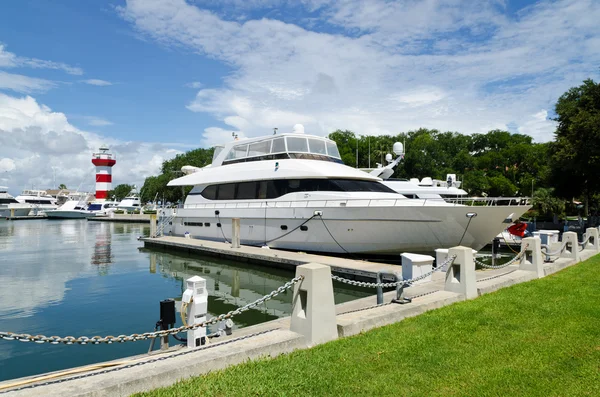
(82, 278)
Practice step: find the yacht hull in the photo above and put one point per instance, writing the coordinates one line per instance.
(8, 212)
(58, 214)
(347, 227)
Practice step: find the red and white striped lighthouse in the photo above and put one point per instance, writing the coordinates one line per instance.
(103, 160)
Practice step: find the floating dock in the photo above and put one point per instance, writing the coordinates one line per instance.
(125, 218)
(359, 269)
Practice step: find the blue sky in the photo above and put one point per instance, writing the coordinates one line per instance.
(153, 78)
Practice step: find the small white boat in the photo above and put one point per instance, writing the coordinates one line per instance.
(74, 208)
(10, 207)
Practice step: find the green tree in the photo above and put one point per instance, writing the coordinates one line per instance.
(547, 204)
(155, 187)
(346, 141)
(62, 186)
(120, 192)
(576, 150)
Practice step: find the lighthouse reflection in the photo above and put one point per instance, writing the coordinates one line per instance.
(102, 254)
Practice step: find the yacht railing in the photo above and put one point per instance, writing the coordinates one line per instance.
(456, 202)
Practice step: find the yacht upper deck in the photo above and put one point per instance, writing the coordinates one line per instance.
(281, 146)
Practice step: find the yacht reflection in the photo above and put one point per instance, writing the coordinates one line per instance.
(230, 286)
(7, 230)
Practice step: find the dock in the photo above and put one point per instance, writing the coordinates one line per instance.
(24, 218)
(359, 269)
(124, 218)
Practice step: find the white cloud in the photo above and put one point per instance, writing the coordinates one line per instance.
(97, 82)
(194, 84)
(537, 125)
(24, 84)
(98, 122)
(9, 60)
(6, 164)
(33, 139)
(449, 64)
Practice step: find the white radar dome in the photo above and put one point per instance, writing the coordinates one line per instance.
(298, 129)
(398, 148)
(388, 158)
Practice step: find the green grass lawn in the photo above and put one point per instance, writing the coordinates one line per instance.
(540, 338)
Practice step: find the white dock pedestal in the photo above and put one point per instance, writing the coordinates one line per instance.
(415, 265)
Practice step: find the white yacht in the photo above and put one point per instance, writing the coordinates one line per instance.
(426, 188)
(130, 203)
(74, 208)
(40, 200)
(292, 191)
(9, 206)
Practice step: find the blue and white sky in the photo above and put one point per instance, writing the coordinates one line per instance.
(153, 78)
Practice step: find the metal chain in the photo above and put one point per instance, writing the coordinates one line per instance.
(559, 251)
(95, 340)
(496, 276)
(584, 242)
(161, 357)
(510, 262)
(396, 283)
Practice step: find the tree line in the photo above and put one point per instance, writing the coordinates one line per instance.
(497, 163)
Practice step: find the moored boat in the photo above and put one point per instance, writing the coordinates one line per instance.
(292, 191)
(10, 207)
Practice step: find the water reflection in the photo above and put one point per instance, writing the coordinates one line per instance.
(102, 255)
(231, 285)
(38, 258)
(75, 277)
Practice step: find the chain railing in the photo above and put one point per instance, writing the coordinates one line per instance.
(396, 283)
(557, 252)
(502, 266)
(584, 243)
(95, 340)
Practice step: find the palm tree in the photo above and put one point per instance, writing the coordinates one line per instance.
(62, 186)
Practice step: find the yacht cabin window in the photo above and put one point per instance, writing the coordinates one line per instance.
(8, 201)
(260, 190)
(297, 144)
(259, 148)
(282, 148)
(317, 146)
(332, 150)
(278, 145)
(237, 152)
(217, 151)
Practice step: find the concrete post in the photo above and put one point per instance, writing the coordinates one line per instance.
(415, 265)
(571, 251)
(532, 260)
(153, 225)
(593, 243)
(313, 307)
(12, 212)
(460, 276)
(235, 233)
